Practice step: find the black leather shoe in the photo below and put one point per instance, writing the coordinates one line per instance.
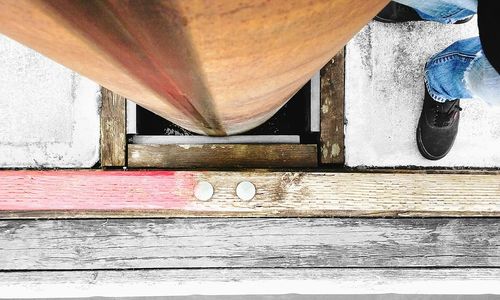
(398, 13)
(437, 127)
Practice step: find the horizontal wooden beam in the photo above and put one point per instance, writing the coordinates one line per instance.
(223, 156)
(116, 244)
(93, 193)
(310, 283)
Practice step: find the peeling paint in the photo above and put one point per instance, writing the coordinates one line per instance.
(324, 152)
(325, 108)
(187, 147)
(335, 150)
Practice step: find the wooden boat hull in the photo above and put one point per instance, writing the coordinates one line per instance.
(216, 67)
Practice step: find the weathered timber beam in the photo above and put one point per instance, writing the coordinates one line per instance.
(223, 156)
(332, 97)
(117, 244)
(62, 194)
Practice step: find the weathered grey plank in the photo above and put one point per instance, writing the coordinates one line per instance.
(113, 129)
(223, 156)
(332, 111)
(178, 282)
(248, 243)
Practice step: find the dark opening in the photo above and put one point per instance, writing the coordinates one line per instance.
(292, 119)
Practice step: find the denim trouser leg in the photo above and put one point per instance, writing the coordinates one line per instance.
(461, 71)
(483, 81)
(442, 11)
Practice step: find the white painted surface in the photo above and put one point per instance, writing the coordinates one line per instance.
(307, 282)
(384, 94)
(315, 102)
(200, 139)
(131, 117)
(49, 115)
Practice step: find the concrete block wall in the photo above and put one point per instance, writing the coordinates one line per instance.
(49, 115)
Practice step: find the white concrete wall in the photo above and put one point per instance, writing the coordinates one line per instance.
(49, 115)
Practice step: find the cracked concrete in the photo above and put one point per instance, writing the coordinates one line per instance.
(384, 94)
(49, 115)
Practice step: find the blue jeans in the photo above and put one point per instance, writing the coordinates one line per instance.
(460, 71)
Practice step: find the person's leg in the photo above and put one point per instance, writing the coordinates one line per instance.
(445, 71)
(442, 11)
(460, 71)
(444, 87)
(482, 80)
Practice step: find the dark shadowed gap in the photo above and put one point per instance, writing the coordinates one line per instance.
(292, 119)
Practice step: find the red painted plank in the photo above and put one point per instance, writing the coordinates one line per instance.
(95, 190)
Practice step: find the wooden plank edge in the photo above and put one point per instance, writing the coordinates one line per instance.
(179, 213)
(223, 156)
(185, 282)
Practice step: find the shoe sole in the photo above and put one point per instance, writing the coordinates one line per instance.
(389, 21)
(463, 21)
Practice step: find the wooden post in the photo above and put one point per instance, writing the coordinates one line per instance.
(214, 67)
(113, 130)
(332, 97)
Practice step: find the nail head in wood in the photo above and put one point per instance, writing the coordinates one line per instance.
(203, 191)
(245, 190)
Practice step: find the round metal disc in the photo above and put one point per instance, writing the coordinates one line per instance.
(203, 191)
(245, 190)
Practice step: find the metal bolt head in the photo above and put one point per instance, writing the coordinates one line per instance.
(245, 190)
(203, 191)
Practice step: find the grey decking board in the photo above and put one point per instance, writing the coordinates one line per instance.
(248, 243)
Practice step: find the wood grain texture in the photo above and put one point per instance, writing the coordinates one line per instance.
(332, 97)
(180, 282)
(223, 156)
(63, 194)
(113, 129)
(248, 243)
(213, 67)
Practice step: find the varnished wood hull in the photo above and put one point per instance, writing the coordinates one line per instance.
(214, 67)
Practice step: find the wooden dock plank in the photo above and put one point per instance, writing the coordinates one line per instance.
(223, 156)
(63, 194)
(248, 243)
(182, 282)
(113, 130)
